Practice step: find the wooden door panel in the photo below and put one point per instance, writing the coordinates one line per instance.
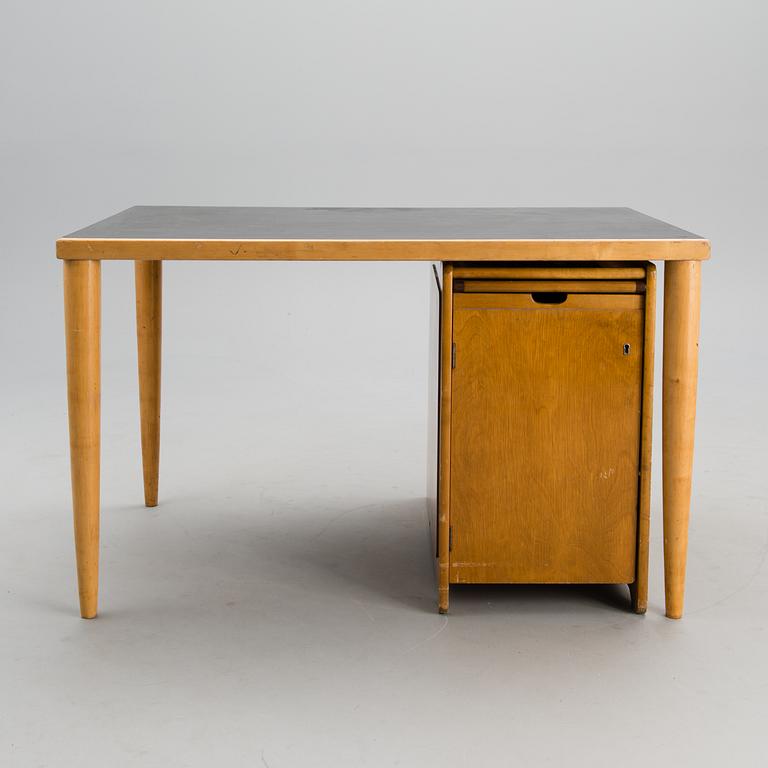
(545, 441)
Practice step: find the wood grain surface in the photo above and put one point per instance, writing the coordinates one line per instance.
(545, 436)
(149, 321)
(682, 300)
(444, 487)
(82, 315)
(639, 589)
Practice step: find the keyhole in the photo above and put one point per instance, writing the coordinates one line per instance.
(626, 349)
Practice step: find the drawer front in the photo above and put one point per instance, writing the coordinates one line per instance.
(545, 438)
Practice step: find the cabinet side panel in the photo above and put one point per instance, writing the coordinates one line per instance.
(640, 588)
(444, 484)
(433, 407)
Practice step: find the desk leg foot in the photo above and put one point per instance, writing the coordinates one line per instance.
(682, 296)
(639, 602)
(82, 314)
(149, 291)
(442, 593)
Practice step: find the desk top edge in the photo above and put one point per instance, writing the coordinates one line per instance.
(376, 234)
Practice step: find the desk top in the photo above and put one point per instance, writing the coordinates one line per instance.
(395, 234)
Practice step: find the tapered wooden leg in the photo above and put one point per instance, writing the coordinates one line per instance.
(682, 291)
(149, 293)
(82, 314)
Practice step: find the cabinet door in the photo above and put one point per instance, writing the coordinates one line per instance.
(545, 438)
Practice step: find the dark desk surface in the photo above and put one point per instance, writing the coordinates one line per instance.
(175, 232)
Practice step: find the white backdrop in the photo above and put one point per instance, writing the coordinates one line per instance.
(303, 385)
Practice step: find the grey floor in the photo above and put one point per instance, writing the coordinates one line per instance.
(278, 607)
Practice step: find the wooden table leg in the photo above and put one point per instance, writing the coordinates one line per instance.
(149, 292)
(82, 314)
(682, 292)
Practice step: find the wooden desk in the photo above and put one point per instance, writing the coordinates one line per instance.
(150, 235)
